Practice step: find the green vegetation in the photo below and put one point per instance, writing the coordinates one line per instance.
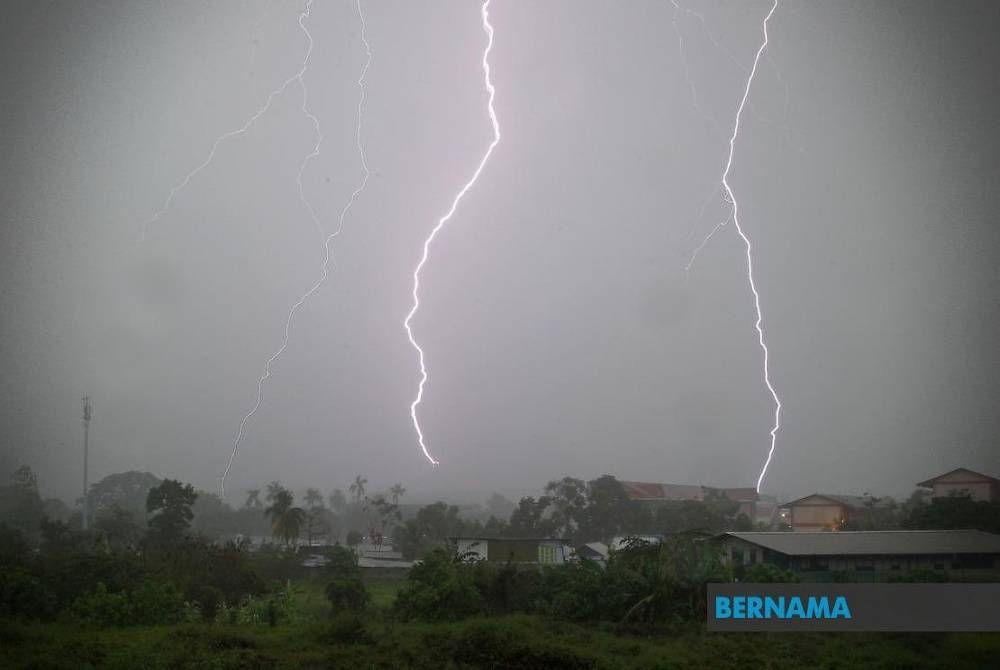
(513, 642)
(162, 595)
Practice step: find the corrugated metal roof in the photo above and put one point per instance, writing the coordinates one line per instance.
(875, 542)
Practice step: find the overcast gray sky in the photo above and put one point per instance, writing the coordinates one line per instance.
(561, 333)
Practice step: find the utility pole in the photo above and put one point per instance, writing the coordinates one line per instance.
(87, 413)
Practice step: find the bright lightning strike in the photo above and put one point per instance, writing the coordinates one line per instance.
(730, 198)
(440, 224)
(245, 127)
(329, 238)
(749, 251)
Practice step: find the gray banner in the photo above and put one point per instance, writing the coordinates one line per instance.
(853, 607)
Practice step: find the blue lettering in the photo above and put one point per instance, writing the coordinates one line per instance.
(795, 608)
(818, 608)
(840, 608)
(739, 607)
(722, 608)
(754, 605)
(774, 607)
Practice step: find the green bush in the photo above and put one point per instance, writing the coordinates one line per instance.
(768, 573)
(282, 606)
(152, 604)
(920, 575)
(439, 588)
(24, 596)
(348, 628)
(346, 590)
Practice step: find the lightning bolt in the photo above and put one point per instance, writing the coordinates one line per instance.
(730, 197)
(329, 238)
(244, 128)
(441, 223)
(749, 249)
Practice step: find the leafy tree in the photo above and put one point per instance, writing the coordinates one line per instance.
(58, 537)
(714, 513)
(430, 528)
(213, 517)
(954, 513)
(675, 573)
(611, 512)
(20, 505)
(877, 514)
(353, 538)
(396, 492)
(568, 497)
(128, 490)
(346, 590)
(273, 489)
(119, 528)
(530, 520)
(169, 505)
(438, 588)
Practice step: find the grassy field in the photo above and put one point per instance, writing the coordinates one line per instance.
(318, 640)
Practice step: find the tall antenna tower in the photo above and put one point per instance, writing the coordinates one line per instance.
(87, 414)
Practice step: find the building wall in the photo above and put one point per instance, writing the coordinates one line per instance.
(968, 483)
(975, 490)
(545, 552)
(478, 548)
(818, 514)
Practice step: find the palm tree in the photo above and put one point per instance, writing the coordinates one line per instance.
(273, 489)
(286, 520)
(253, 499)
(357, 489)
(396, 492)
(314, 498)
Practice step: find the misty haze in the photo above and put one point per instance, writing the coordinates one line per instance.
(231, 230)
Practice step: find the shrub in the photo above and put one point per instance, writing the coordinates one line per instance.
(151, 605)
(768, 573)
(102, 607)
(439, 588)
(348, 628)
(346, 590)
(24, 596)
(920, 575)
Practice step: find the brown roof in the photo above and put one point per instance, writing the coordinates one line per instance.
(853, 502)
(930, 482)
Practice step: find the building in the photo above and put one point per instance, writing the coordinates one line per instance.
(867, 553)
(594, 551)
(541, 551)
(649, 492)
(823, 511)
(964, 482)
